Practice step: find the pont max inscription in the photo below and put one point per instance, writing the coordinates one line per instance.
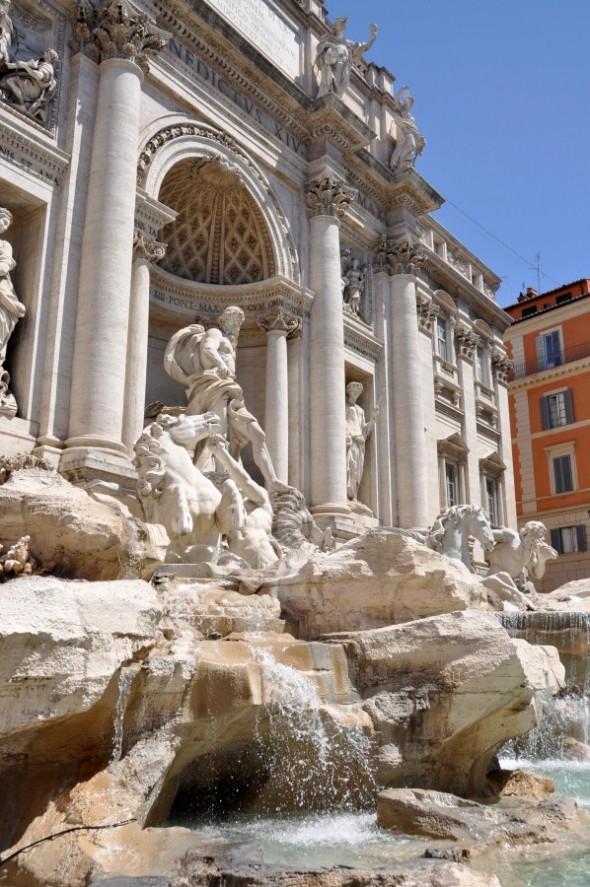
(265, 29)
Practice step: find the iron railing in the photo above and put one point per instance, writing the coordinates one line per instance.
(558, 358)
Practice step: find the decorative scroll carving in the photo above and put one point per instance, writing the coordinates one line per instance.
(117, 31)
(427, 313)
(501, 367)
(282, 320)
(403, 256)
(328, 196)
(145, 246)
(466, 341)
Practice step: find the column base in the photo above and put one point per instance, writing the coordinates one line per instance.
(81, 464)
(328, 508)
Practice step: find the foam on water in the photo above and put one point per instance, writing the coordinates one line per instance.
(312, 840)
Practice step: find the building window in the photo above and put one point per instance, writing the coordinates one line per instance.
(491, 500)
(566, 540)
(563, 476)
(557, 409)
(451, 484)
(549, 350)
(442, 339)
(565, 297)
(529, 311)
(483, 366)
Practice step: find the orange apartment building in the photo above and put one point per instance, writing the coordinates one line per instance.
(549, 397)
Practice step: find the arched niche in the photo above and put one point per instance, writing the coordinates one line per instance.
(181, 152)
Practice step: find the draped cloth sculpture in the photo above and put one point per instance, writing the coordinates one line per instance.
(28, 84)
(409, 140)
(11, 311)
(204, 362)
(336, 56)
(357, 432)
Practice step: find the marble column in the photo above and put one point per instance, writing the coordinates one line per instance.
(119, 38)
(403, 257)
(327, 199)
(278, 325)
(147, 250)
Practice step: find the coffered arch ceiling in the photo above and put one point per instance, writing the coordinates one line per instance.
(220, 235)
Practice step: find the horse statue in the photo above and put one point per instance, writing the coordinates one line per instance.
(450, 533)
(171, 489)
(521, 554)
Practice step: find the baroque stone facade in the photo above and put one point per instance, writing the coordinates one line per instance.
(177, 163)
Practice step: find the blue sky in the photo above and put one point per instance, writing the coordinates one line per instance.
(502, 90)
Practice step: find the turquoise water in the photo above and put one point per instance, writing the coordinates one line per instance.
(312, 840)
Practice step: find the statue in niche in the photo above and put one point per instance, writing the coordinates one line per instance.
(6, 33)
(358, 430)
(11, 311)
(30, 85)
(353, 284)
(521, 554)
(409, 141)
(336, 56)
(204, 361)
(197, 510)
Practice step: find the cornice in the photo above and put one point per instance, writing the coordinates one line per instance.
(330, 119)
(361, 342)
(545, 376)
(32, 150)
(207, 301)
(444, 275)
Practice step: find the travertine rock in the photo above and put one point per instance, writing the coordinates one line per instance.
(381, 578)
(71, 533)
(444, 692)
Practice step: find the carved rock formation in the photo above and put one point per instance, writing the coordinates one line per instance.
(71, 533)
(381, 578)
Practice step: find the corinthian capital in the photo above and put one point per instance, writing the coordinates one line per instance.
(328, 196)
(402, 256)
(147, 247)
(117, 30)
(281, 320)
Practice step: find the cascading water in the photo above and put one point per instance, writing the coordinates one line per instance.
(314, 761)
(559, 747)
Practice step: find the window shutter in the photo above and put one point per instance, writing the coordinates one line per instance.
(556, 541)
(541, 361)
(581, 534)
(545, 413)
(556, 347)
(569, 406)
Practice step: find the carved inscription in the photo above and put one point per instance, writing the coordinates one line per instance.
(225, 88)
(265, 29)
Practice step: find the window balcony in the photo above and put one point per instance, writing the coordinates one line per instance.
(558, 358)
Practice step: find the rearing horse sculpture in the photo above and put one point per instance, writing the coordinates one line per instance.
(451, 531)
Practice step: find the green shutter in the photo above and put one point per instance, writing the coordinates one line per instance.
(569, 406)
(545, 413)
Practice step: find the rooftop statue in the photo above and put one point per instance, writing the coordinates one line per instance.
(409, 141)
(11, 311)
(204, 361)
(335, 57)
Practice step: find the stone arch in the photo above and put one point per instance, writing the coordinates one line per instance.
(211, 154)
(484, 330)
